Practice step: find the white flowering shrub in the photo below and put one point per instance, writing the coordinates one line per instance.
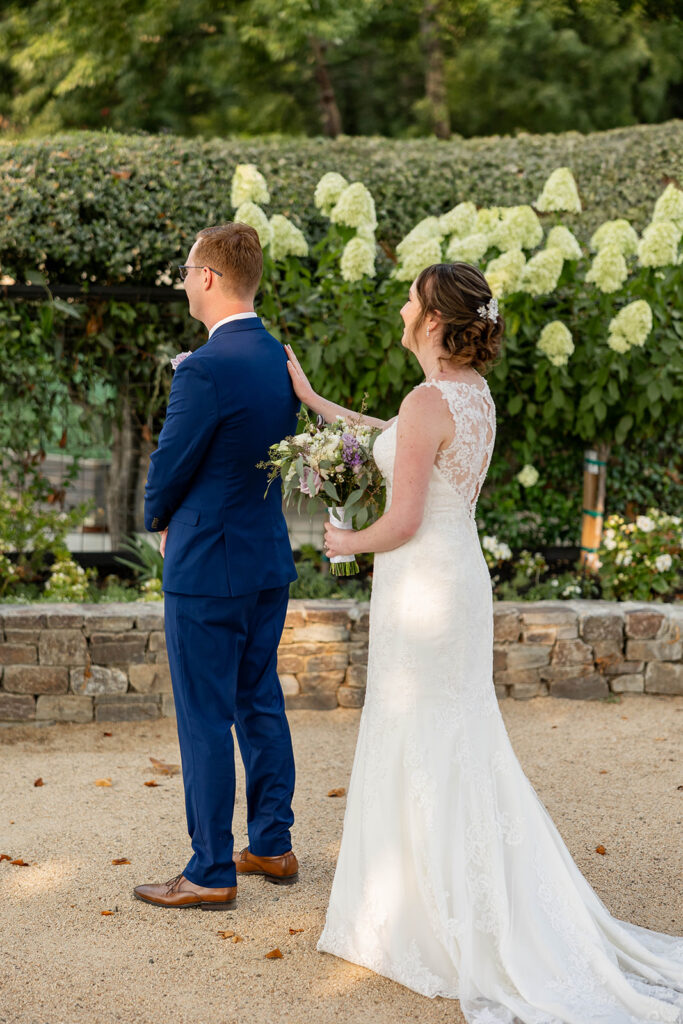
(248, 186)
(470, 249)
(286, 239)
(559, 193)
(562, 238)
(355, 207)
(423, 252)
(503, 273)
(556, 343)
(528, 476)
(328, 190)
(495, 551)
(542, 272)
(608, 270)
(358, 260)
(517, 227)
(630, 327)
(459, 221)
(616, 232)
(251, 214)
(640, 560)
(659, 245)
(669, 206)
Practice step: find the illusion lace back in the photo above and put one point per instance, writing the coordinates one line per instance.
(452, 878)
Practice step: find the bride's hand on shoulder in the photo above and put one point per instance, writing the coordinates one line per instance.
(338, 542)
(300, 382)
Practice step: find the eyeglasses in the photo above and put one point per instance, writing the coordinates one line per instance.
(183, 269)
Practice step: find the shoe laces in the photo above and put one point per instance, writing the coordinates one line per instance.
(172, 884)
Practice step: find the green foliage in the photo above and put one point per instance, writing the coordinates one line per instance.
(260, 66)
(147, 562)
(315, 581)
(68, 581)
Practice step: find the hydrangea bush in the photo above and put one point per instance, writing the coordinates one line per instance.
(641, 559)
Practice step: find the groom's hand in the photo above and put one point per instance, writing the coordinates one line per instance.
(162, 544)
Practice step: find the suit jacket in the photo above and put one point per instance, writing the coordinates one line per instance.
(229, 401)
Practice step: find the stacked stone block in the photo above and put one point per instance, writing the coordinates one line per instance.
(76, 663)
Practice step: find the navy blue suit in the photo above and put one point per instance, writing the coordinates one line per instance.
(227, 572)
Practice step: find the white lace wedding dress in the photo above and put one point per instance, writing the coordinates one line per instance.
(452, 878)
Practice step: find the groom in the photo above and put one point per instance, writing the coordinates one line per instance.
(227, 569)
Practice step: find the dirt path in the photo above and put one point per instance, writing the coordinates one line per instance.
(609, 773)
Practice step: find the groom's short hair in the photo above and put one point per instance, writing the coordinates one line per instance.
(235, 251)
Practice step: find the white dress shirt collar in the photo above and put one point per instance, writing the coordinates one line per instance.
(227, 319)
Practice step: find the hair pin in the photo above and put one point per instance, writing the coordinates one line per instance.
(490, 310)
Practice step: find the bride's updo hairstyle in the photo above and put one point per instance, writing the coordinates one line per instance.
(457, 291)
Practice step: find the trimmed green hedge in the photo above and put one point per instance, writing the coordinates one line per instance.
(90, 204)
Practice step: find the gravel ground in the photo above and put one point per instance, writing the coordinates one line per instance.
(609, 773)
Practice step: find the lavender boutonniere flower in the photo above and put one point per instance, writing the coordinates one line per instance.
(177, 360)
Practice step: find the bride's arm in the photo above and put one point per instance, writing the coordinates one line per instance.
(420, 433)
(305, 393)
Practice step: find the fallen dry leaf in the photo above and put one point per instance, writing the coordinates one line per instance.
(39, 782)
(20, 863)
(106, 913)
(600, 849)
(603, 771)
(6, 856)
(226, 934)
(237, 938)
(677, 787)
(660, 739)
(103, 782)
(151, 783)
(553, 727)
(121, 860)
(163, 768)
(295, 931)
(274, 954)
(107, 733)
(337, 792)
(625, 718)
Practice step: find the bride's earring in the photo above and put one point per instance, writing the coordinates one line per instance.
(427, 330)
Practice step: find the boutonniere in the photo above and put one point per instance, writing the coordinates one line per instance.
(177, 360)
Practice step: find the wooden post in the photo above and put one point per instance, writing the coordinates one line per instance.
(594, 487)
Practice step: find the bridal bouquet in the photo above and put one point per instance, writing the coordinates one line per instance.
(332, 464)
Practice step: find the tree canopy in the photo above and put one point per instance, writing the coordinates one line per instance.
(391, 67)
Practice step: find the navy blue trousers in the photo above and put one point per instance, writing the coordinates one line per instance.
(223, 656)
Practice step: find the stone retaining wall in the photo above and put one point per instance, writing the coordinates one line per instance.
(73, 663)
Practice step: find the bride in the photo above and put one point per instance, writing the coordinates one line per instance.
(452, 878)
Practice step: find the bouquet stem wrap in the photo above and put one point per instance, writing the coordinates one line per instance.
(341, 565)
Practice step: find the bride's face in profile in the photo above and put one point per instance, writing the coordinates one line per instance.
(410, 312)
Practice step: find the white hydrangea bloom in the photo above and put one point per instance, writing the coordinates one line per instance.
(328, 191)
(556, 343)
(663, 562)
(630, 327)
(519, 227)
(487, 220)
(503, 272)
(528, 476)
(358, 260)
(659, 245)
(608, 270)
(425, 231)
(366, 232)
(459, 221)
(251, 214)
(559, 193)
(616, 232)
(497, 548)
(542, 272)
(355, 207)
(286, 238)
(469, 249)
(563, 239)
(248, 186)
(669, 206)
(423, 253)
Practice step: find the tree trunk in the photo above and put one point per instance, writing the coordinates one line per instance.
(123, 477)
(594, 489)
(435, 79)
(331, 118)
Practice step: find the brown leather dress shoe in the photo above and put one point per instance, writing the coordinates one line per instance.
(181, 894)
(282, 870)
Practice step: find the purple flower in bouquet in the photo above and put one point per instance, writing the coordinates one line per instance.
(177, 360)
(311, 482)
(351, 450)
